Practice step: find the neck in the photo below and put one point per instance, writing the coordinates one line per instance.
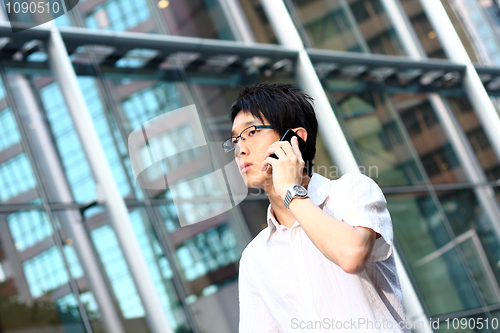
(282, 214)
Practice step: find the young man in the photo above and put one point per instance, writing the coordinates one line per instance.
(325, 260)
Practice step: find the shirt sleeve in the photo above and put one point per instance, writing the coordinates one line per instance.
(254, 314)
(363, 204)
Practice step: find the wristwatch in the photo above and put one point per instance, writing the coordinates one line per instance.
(296, 191)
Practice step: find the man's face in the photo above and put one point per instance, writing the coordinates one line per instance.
(252, 152)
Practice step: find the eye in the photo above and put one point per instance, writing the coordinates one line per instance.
(234, 141)
(252, 132)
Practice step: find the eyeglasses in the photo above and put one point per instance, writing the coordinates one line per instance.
(246, 135)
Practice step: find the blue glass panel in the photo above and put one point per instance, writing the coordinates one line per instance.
(91, 22)
(122, 15)
(28, 228)
(16, 177)
(152, 252)
(208, 251)
(62, 21)
(112, 258)
(46, 272)
(9, 133)
(73, 159)
(148, 103)
(96, 109)
(74, 264)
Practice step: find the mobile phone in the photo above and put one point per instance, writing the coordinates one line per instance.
(288, 137)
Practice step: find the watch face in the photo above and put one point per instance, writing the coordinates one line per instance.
(301, 191)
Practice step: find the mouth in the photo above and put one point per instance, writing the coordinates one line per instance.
(245, 168)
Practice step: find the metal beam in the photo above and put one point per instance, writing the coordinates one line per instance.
(206, 48)
(377, 60)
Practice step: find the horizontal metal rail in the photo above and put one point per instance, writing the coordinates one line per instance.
(378, 61)
(434, 73)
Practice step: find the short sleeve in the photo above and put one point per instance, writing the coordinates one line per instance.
(362, 203)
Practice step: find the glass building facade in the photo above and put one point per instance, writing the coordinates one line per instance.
(63, 265)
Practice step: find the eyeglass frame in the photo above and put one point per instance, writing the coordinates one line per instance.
(240, 136)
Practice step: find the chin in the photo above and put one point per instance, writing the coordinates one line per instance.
(254, 180)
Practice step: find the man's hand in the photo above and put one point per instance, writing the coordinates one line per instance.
(287, 170)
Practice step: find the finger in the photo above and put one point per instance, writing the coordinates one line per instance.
(288, 148)
(269, 161)
(277, 150)
(296, 147)
(284, 145)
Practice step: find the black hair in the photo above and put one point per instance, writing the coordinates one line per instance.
(284, 106)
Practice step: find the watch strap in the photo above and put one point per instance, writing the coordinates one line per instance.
(290, 194)
(288, 199)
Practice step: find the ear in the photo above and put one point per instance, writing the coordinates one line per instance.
(301, 131)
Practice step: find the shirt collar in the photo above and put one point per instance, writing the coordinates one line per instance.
(318, 190)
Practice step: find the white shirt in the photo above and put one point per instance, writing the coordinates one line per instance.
(287, 285)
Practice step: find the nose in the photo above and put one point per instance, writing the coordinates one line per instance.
(240, 148)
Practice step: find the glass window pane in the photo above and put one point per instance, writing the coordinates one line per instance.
(433, 260)
(375, 137)
(429, 138)
(258, 21)
(197, 18)
(28, 228)
(477, 138)
(327, 25)
(338, 25)
(423, 29)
